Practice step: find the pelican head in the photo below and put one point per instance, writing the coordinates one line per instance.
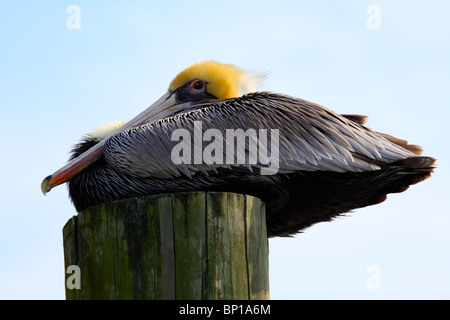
(200, 82)
(217, 80)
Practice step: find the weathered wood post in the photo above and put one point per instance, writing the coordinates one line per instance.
(200, 245)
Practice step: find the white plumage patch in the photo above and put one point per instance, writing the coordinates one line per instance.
(105, 130)
(251, 81)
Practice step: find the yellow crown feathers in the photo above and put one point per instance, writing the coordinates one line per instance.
(224, 81)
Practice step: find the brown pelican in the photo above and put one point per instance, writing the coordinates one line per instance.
(327, 163)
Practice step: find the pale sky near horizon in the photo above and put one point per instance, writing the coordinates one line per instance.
(57, 84)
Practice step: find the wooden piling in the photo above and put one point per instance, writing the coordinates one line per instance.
(200, 245)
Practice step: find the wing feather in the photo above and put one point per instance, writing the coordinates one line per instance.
(311, 138)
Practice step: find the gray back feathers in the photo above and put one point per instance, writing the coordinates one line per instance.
(311, 138)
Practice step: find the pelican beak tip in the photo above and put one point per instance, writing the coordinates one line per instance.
(45, 187)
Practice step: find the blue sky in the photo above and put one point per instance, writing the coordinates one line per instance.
(56, 84)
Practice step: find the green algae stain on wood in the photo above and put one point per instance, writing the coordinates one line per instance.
(199, 245)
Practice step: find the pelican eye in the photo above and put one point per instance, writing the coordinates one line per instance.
(198, 85)
(195, 90)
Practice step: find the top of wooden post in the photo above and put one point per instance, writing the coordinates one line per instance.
(197, 245)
